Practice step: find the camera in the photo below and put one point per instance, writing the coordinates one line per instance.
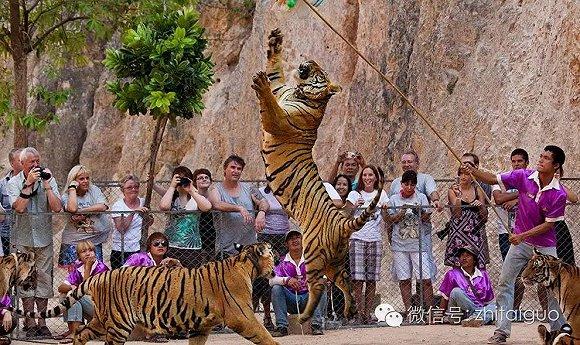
(184, 182)
(45, 175)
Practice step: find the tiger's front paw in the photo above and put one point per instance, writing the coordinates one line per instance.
(261, 83)
(275, 42)
(170, 263)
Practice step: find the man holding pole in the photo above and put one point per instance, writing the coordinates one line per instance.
(541, 203)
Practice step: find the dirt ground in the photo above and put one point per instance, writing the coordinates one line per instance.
(436, 335)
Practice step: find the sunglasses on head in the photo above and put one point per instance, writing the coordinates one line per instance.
(159, 243)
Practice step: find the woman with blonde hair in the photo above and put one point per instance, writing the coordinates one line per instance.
(79, 198)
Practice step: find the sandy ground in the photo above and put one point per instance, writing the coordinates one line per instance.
(437, 335)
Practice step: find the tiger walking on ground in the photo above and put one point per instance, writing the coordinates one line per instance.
(290, 119)
(564, 281)
(172, 300)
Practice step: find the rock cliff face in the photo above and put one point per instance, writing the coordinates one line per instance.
(489, 75)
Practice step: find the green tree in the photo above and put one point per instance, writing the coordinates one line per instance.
(56, 27)
(161, 71)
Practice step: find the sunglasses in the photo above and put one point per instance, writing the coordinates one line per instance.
(159, 244)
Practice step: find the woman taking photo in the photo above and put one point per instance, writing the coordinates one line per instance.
(183, 228)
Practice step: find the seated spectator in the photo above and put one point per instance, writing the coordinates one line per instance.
(411, 225)
(366, 245)
(7, 324)
(183, 229)
(467, 290)
(157, 244)
(468, 217)
(127, 232)
(202, 180)
(82, 196)
(348, 164)
(289, 287)
(88, 262)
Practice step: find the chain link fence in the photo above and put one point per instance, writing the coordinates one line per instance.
(392, 267)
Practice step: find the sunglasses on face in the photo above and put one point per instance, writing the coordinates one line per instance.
(159, 244)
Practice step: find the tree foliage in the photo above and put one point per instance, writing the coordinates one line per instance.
(161, 67)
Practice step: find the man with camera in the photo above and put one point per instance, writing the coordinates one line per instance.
(349, 164)
(33, 194)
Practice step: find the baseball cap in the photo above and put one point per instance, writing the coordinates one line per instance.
(293, 231)
(467, 248)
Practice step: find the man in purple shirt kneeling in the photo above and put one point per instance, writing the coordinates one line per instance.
(541, 203)
(289, 287)
(468, 290)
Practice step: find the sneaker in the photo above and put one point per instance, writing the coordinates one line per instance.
(472, 322)
(317, 330)
(268, 324)
(44, 332)
(280, 332)
(497, 338)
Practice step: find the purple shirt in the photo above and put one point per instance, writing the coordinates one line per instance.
(457, 277)
(287, 269)
(5, 302)
(535, 205)
(76, 276)
(140, 259)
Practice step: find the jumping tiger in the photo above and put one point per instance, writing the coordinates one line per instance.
(290, 117)
(564, 281)
(165, 300)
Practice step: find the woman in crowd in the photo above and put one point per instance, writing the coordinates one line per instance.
(127, 232)
(183, 229)
(156, 255)
(81, 196)
(366, 245)
(87, 266)
(202, 180)
(343, 186)
(468, 215)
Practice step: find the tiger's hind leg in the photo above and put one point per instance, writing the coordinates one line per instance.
(198, 338)
(93, 330)
(342, 281)
(315, 291)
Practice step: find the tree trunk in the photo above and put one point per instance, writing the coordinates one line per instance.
(155, 144)
(20, 74)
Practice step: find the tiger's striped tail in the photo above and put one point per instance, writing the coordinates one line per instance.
(58, 310)
(357, 223)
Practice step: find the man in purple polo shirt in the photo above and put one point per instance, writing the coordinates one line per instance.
(468, 289)
(541, 203)
(289, 287)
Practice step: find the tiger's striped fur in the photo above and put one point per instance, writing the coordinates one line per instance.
(171, 300)
(17, 269)
(564, 281)
(290, 117)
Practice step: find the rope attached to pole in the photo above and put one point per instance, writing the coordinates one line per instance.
(409, 103)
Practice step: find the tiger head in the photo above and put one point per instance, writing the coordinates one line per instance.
(17, 270)
(541, 269)
(313, 83)
(262, 257)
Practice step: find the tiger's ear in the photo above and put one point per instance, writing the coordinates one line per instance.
(536, 252)
(238, 247)
(334, 88)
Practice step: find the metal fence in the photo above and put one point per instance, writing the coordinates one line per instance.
(387, 287)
